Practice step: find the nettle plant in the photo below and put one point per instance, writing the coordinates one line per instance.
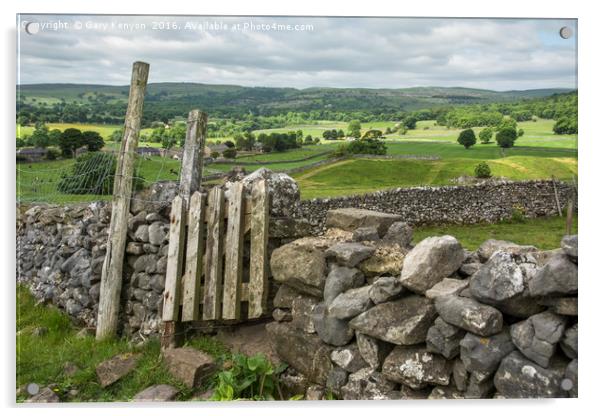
(248, 378)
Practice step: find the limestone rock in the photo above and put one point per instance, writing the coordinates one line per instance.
(402, 322)
(569, 244)
(460, 374)
(518, 378)
(337, 378)
(366, 234)
(569, 342)
(112, 370)
(568, 306)
(483, 354)
(368, 384)
(445, 392)
(351, 218)
(349, 254)
(331, 330)
(372, 350)
(469, 314)
(486, 250)
(45, 395)
(339, 280)
(302, 309)
(503, 282)
(284, 297)
(468, 269)
(384, 289)
(141, 233)
(387, 260)
(314, 392)
(428, 263)
(536, 337)
(300, 265)
(572, 373)
(557, 277)
(415, 367)
(157, 393)
(479, 387)
(351, 303)
(443, 338)
(348, 358)
(282, 315)
(304, 352)
(189, 365)
(157, 233)
(400, 233)
(447, 287)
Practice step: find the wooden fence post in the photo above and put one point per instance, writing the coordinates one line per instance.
(191, 173)
(112, 269)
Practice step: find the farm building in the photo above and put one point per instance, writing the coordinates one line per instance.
(32, 154)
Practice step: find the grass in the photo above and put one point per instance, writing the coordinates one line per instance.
(105, 130)
(357, 176)
(544, 233)
(40, 359)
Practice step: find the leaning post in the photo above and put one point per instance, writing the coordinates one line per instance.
(191, 173)
(112, 268)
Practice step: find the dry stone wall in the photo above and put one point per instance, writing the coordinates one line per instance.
(437, 322)
(467, 204)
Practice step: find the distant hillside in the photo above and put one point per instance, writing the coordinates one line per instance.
(231, 100)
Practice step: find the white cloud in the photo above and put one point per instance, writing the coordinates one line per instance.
(338, 52)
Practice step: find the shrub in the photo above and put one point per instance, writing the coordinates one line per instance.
(482, 170)
(70, 140)
(565, 125)
(506, 137)
(93, 140)
(367, 147)
(93, 173)
(467, 138)
(518, 214)
(485, 135)
(520, 133)
(229, 144)
(229, 153)
(52, 154)
(214, 154)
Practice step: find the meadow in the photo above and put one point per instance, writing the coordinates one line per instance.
(538, 154)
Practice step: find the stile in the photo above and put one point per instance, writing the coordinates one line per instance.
(193, 265)
(234, 251)
(175, 254)
(213, 255)
(258, 281)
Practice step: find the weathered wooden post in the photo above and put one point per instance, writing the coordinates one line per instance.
(190, 181)
(112, 269)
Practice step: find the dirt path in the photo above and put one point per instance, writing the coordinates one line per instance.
(312, 172)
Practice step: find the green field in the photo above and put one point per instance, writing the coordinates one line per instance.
(539, 154)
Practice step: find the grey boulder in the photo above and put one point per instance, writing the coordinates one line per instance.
(443, 338)
(400, 233)
(557, 277)
(536, 337)
(483, 354)
(569, 342)
(469, 314)
(432, 260)
(331, 330)
(401, 322)
(372, 350)
(349, 254)
(300, 265)
(415, 367)
(384, 289)
(351, 303)
(569, 244)
(339, 280)
(348, 358)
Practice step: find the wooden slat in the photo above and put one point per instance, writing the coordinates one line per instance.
(258, 282)
(175, 254)
(234, 250)
(246, 209)
(244, 292)
(191, 280)
(213, 253)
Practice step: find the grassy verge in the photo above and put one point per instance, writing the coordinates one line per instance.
(40, 358)
(544, 233)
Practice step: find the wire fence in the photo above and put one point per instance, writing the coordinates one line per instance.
(90, 177)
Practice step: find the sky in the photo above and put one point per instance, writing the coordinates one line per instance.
(299, 52)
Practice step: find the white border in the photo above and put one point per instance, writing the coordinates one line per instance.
(590, 147)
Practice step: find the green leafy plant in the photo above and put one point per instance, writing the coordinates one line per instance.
(467, 138)
(482, 170)
(247, 378)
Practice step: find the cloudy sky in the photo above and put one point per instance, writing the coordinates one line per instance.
(299, 52)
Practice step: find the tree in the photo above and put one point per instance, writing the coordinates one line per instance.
(367, 147)
(566, 125)
(117, 135)
(70, 140)
(309, 139)
(507, 122)
(506, 137)
(486, 134)
(410, 122)
(93, 140)
(467, 138)
(373, 134)
(354, 128)
(40, 138)
(520, 133)
(482, 170)
(54, 136)
(229, 153)
(168, 141)
(340, 134)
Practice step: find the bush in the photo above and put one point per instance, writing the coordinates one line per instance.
(565, 125)
(482, 170)
(93, 173)
(229, 153)
(367, 147)
(506, 137)
(467, 138)
(214, 154)
(52, 154)
(93, 140)
(485, 135)
(229, 144)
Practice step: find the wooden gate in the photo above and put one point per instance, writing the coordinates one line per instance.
(206, 272)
